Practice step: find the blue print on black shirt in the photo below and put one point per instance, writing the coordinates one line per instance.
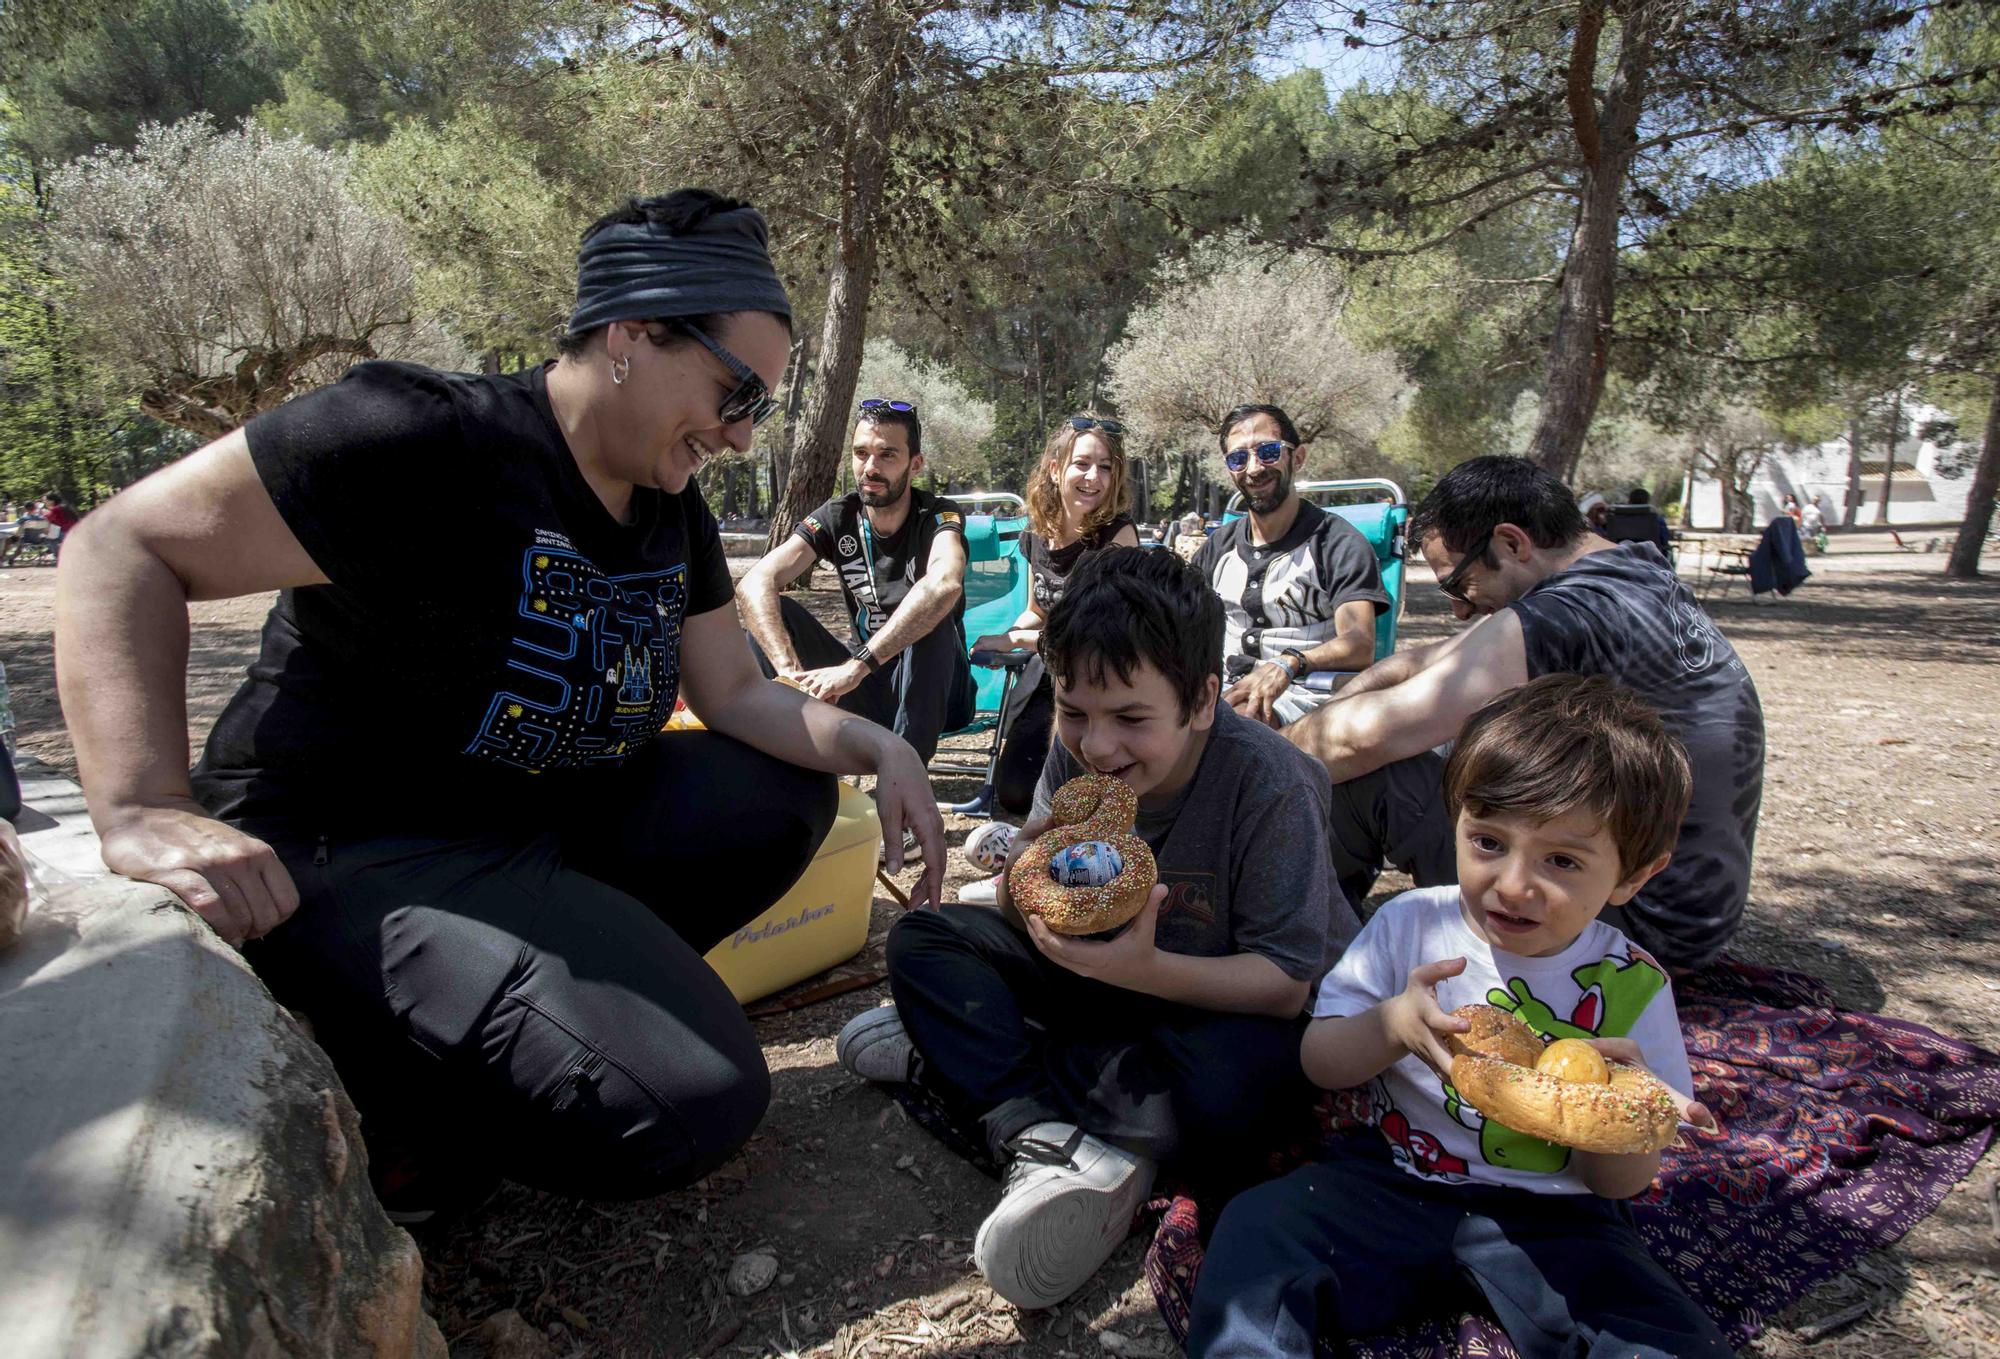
(593, 669)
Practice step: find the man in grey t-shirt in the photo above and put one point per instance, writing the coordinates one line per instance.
(1510, 547)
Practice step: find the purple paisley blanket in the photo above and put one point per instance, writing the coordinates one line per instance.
(1840, 1131)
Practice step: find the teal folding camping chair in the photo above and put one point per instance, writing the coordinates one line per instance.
(1384, 523)
(996, 593)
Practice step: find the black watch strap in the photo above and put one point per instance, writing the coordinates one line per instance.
(1304, 666)
(867, 658)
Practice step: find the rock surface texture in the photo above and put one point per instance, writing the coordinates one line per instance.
(181, 1173)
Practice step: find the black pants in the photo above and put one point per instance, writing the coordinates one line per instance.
(1008, 1039)
(1026, 751)
(920, 693)
(1355, 1245)
(537, 1005)
(1395, 815)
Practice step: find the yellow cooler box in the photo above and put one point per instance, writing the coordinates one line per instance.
(823, 920)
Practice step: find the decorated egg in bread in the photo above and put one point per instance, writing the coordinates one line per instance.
(1090, 863)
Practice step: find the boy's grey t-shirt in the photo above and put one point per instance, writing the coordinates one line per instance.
(1625, 614)
(1242, 851)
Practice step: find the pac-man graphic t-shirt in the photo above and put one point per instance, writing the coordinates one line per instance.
(491, 632)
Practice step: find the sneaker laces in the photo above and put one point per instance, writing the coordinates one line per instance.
(1036, 1151)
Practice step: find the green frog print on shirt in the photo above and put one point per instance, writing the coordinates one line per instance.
(1616, 991)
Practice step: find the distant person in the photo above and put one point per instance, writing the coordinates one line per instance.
(1596, 511)
(1511, 551)
(58, 514)
(1078, 499)
(1190, 538)
(1663, 537)
(1299, 585)
(1812, 525)
(1792, 508)
(900, 555)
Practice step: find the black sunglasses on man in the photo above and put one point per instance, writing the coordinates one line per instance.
(1453, 585)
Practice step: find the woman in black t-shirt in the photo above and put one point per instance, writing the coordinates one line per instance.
(1078, 501)
(440, 810)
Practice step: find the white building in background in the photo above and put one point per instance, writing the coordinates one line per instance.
(1924, 492)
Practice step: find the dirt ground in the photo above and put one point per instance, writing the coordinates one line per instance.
(1876, 870)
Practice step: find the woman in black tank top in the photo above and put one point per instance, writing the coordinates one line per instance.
(1078, 501)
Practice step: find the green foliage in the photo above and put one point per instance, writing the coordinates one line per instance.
(156, 61)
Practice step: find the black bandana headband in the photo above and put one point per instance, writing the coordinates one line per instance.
(633, 271)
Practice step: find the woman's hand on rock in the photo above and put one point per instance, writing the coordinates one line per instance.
(232, 880)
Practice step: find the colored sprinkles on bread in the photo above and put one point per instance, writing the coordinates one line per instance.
(1094, 809)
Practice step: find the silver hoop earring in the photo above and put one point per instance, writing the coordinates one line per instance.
(619, 368)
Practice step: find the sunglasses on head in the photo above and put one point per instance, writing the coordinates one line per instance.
(1268, 454)
(1083, 424)
(1453, 585)
(751, 400)
(883, 403)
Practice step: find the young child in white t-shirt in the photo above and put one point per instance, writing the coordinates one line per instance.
(1567, 793)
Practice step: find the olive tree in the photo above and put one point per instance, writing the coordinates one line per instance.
(222, 273)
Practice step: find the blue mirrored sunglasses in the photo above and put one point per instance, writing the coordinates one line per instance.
(1268, 453)
(883, 403)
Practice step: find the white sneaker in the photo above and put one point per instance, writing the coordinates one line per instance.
(875, 1047)
(980, 892)
(1069, 1201)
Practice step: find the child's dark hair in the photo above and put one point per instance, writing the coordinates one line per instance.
(1125, 605)
(1575, 743)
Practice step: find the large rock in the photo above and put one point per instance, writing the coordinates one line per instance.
(180, 1171)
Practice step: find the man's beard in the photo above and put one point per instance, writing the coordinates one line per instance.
(1274, 495)
(877, 499)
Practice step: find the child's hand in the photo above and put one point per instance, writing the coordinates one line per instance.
(1626, 1051)
(1124, 961)
(1415, 1019)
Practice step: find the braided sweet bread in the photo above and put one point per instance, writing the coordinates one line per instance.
(1090, 811)
(1563, 1092)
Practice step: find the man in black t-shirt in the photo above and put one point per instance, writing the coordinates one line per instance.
(1511, 549)
(900, 556)
(1300, 587)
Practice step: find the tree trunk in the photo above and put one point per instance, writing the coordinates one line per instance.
(1851, 512)
(1964, 563)
(1889, 461)
(1580, 349)
(823, 419)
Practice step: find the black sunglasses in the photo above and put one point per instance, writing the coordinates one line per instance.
(1268, 453)
(1453, 585)
(883, 403)
(1083, 424)
(751, 400)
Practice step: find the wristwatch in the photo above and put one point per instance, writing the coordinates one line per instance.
(867, 658)
(1300, 665)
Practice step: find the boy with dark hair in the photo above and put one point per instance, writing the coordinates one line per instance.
(1547, 596)
(1565, 792)
(1083, 1063)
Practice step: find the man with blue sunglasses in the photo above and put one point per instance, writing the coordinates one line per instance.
(1300, 587)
